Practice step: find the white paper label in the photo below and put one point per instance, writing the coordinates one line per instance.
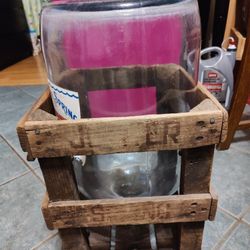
(66, 102)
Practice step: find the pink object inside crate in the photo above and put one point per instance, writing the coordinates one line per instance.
(122, 102)
(109, 44)
(114, 44)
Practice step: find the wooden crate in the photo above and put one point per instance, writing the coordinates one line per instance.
(179, 218)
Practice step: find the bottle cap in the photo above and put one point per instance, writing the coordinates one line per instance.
(232, 44)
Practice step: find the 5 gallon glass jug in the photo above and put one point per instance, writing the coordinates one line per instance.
(118, 58)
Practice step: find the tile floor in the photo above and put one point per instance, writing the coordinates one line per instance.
(22, 188)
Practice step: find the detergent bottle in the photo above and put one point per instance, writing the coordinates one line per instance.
(216, 72)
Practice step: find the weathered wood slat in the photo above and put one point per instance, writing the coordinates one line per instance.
(128, 134)
(198, 161)
(214, 204)
(165, 236)
(241, 93)
(202, 90)
(60, 183)
(244, 125)
(128, 211)
(196, 168)
(191, 235)
(205, 105)
(41, 115)
(98, 136)
(44, 103)
(99, 242)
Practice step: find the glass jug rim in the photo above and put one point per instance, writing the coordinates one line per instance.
(109, 5)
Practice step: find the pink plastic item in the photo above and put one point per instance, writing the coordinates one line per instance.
(91, 44)
(117, 44)
(122, 102)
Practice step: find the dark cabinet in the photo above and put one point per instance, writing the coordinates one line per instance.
(220, 17)
(15, 43)
(204, 6)
(243, 13)
(220, 20)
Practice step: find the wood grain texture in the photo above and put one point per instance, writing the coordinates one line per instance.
(240, 41)
(214, 204)
(59, 178)
(45, 211)
(44, 103)
(241, 93)
(88, 136)
(41, 115)
(128, 134)
(98, 241)
(30, 71)
(199, 161)
(244, 125)
(128, 211)
(196, 169)
(206, 94)
(191, 235)
(165, 236)
(231, 16)
(61, 185)
(206, 104)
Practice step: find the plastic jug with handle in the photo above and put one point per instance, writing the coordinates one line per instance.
(216, 73)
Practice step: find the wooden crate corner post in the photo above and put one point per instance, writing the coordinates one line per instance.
(196, 167)
(61, 185)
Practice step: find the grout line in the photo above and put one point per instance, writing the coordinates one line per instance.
(232, 227)
(229, 213)
(26, 92)
(246, 222)
(239, 218)
(44, 241)
(244, 212)
(14, 178)
(21, 158)
(16, 89)
(37, 175)
(226, 235)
